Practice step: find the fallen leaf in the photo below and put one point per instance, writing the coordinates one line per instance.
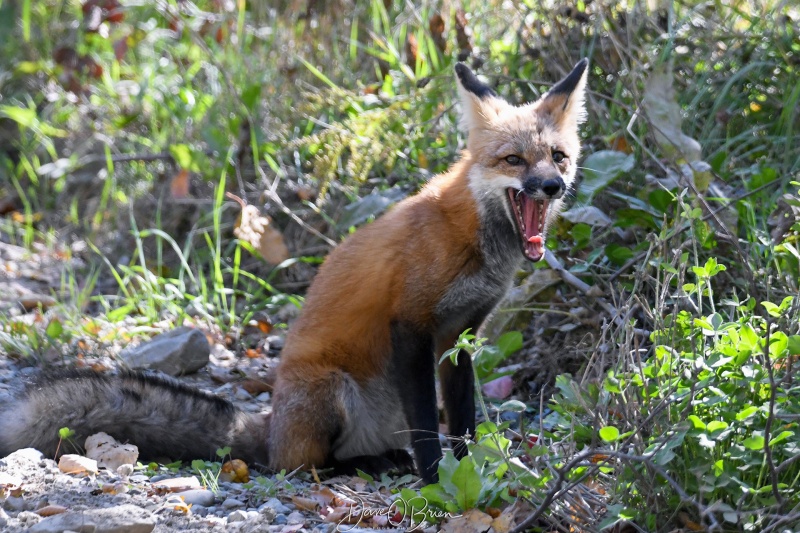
(305, 504)
(412, 51)
(255, 386)
(179, 186)
(235, 471)
(690, 524)
(51, 510)
(463, 35)
(259, 231)
(499, 388)
(505, 521)
(665, 115)
(620, 144)
(472, 521)
(436, 27)
(121, 48)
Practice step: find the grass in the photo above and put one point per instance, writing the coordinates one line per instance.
(304, 114)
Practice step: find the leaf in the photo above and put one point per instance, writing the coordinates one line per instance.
(696, 422)
(665, 115)
(782, 436)
(716, 425)
(510, 342)
(745, 413)
(447, 469)
(436, 27)
(756, 442)
(259, 231)
(515, 406)
(793, 344)
(463, 35)
(587, 214)
(499, 388)
(54, 329)
(600, 169)
(609, 434)
(467, 482)
(661, 199)
(617, 254)
(179, 186)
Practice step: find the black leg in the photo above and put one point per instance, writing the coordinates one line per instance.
(458, 391)
(412, 371)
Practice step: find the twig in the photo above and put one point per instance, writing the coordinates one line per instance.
(587, 289)
(578, 461)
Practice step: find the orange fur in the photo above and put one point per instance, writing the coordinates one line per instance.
(388, 293)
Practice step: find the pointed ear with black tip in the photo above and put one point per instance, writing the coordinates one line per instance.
(479, 102)
(565, 101)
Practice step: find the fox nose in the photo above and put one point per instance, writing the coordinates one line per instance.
(553, 187)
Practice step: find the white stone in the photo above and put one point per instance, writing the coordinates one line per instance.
(109, 453)
(77, 464)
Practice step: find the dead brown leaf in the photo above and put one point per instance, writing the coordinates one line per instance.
(50, 510)
(235, 471)
(436, 27)
(255, 386)
(412, 51)
(259, 231)
(472, 521)
(463, 35)
(179, 186)
(305, 504)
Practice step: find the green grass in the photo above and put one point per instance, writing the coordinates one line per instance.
(304, 114)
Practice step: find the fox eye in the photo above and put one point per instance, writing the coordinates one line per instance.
(559, 156)
(514, 160)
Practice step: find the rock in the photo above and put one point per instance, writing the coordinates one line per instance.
(16, 503)
(232, 503)
(28, 518)
(109, 453)
(237, 516)
(33, 301)
(9, 480)
(77, 464)
(201, 497)
(177, 352)
(177, 484)
(276, 505)
(121, 519)
(296, 517)
(24, 459)
(125, 470)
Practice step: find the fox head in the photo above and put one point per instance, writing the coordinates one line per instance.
(525, 154)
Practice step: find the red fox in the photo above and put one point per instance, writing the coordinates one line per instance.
(356, 381)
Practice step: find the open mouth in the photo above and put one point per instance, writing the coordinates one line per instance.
(530, 217)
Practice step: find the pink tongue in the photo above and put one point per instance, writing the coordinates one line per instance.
(536, 239)
(530, 213)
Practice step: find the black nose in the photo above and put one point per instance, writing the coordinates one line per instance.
(553, 186)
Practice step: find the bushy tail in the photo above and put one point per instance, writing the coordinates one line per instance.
(162, 417)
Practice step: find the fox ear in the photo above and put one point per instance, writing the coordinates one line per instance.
(478, 101)
(565, 101)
